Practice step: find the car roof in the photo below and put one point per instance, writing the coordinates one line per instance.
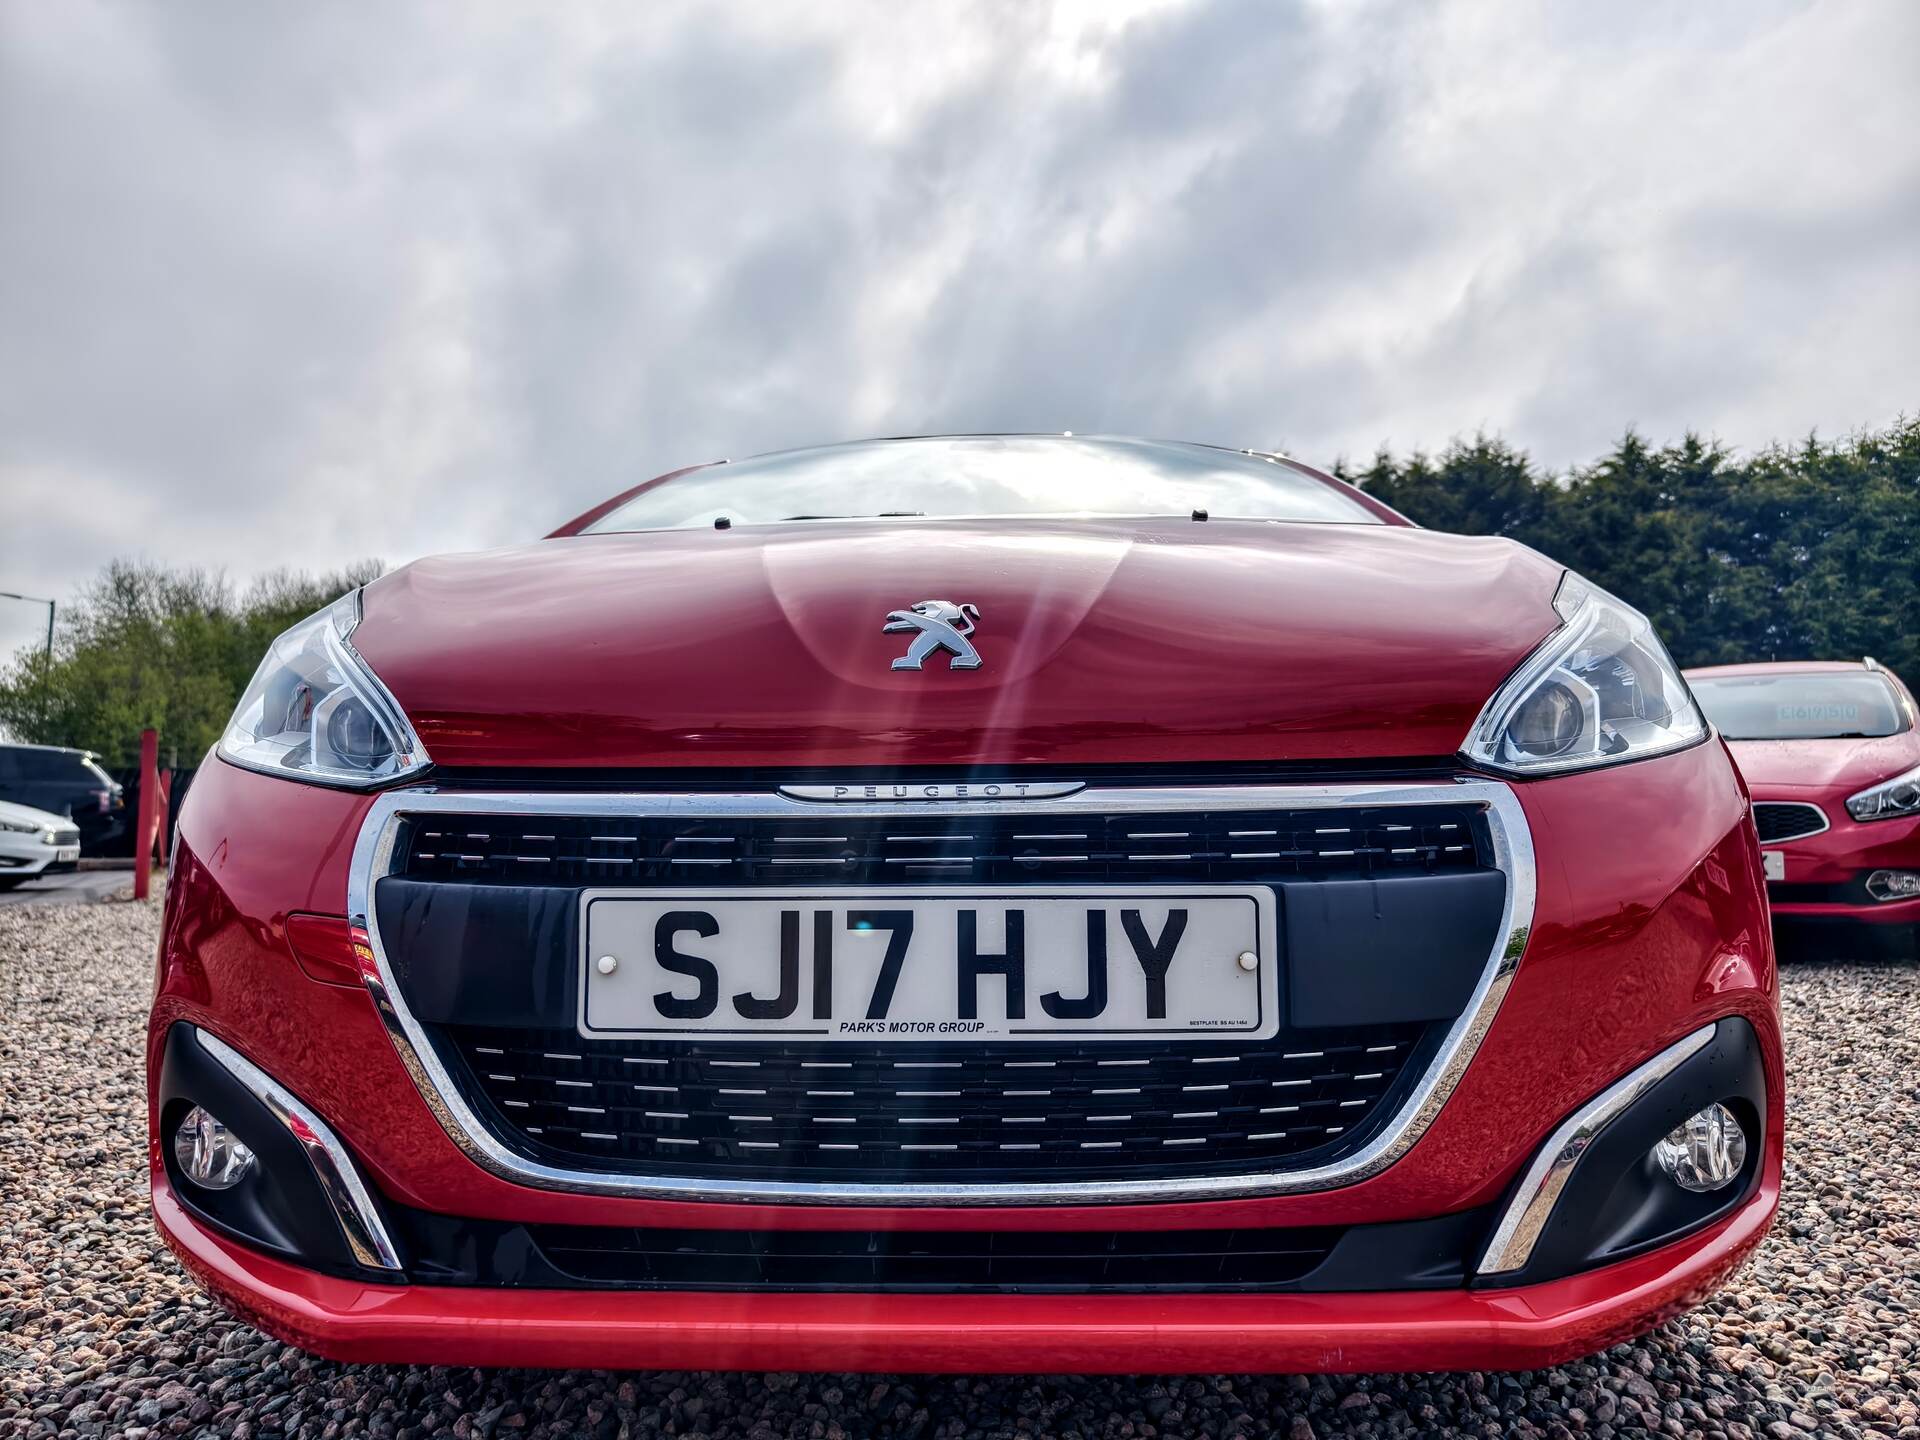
(58, 749)
(1782, 667)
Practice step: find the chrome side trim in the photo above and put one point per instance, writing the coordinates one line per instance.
(353, 1207)
(1532, 1205)
(1825, 823)
(1512, 845)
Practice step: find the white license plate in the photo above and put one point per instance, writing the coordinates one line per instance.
(1094, 962)
(1773, 864)
(66, 852)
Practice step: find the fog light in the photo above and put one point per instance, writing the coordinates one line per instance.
(1704, 1152)
(1894, 885)
(210, 1155)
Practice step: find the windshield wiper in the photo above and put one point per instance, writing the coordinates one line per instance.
(879, 515)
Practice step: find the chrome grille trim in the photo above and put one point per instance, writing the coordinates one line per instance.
(1510, 840)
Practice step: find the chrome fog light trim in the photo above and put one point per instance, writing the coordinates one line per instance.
(1532, 1205)
(353, 1207)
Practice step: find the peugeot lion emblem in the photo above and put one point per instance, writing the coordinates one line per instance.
(936, 625)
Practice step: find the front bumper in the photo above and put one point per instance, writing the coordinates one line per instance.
(22, 861)
(1826, 873)
(1633, 946)
(1526, 1328)
(362, 1309)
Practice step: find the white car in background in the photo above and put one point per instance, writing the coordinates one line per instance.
(35, 843)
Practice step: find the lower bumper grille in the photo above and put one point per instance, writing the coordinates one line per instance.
(1852, 891)
(874, 1114)
(448, 1250)
(870, 1262)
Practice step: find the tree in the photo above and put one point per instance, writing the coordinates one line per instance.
(1479, 487)
(1803, 552)
(148, 646)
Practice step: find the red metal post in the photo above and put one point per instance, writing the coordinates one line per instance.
(161, 823)
(148, 813)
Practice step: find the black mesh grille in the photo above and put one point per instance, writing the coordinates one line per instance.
(890, 1113)
(1784, 820)
(1011, 1262)
(1175, 846)
(1062, 1111)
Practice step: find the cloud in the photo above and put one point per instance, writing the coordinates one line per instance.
(300, 285)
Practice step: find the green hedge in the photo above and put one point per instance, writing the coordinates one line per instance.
(1809, 553)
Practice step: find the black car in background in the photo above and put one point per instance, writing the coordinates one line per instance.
(66, 782)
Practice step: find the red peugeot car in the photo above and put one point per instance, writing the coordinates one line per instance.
(987, 903)
(1831, 753)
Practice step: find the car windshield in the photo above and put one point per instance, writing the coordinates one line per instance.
(987, 476)
(1810, 706)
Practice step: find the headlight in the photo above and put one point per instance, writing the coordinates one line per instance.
(19, 827)
(1601, 688)
(1888, 799)
(314, 711)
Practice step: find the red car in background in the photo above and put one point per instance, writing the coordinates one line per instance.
(984, 903)
(1831, 753)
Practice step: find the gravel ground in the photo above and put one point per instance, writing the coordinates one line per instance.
(101, 1334)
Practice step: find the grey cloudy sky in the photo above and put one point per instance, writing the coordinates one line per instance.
(290, 285)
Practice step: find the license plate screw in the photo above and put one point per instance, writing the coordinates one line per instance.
(606, 964)
(1249, 960)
